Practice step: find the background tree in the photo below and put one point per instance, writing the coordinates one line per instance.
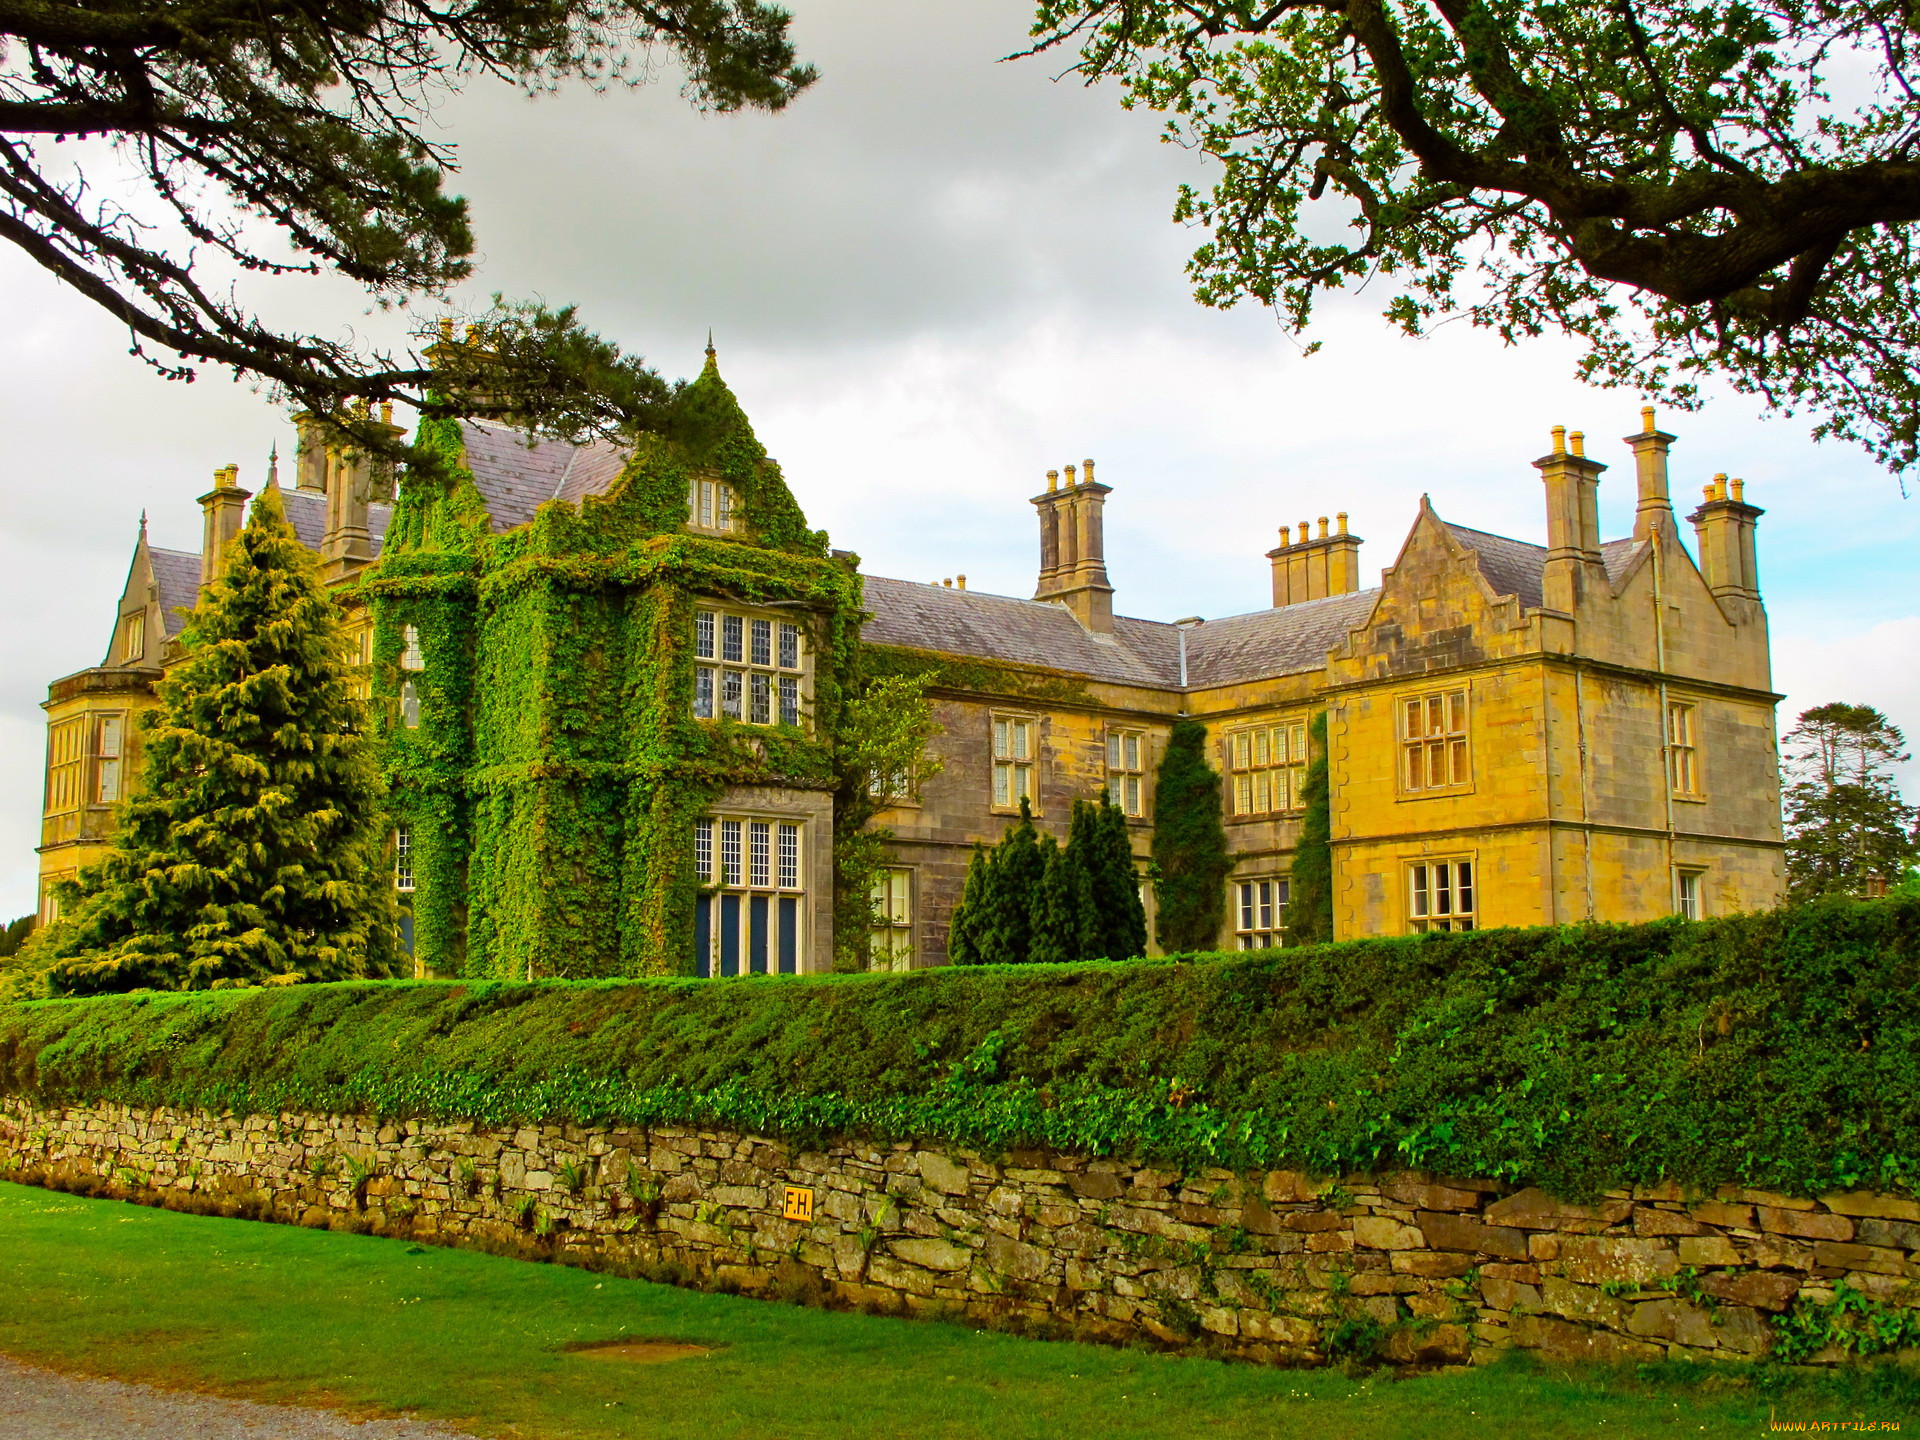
(1847, 824)
(1189, 844)
(1310, 882)
(1030, 899)
(1688, 189)
(254, 850)
(295, 139)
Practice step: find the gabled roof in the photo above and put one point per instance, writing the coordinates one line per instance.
(515, 477)
(176, 573)
(1282, 641)
(1518, 567)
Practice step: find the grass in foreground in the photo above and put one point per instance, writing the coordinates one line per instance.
(281, 1314)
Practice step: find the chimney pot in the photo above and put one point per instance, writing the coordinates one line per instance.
(1342, 519)
(1578, 440)
(1559, 439)
(1646, 418)
(1071, 482)
(963, 581)
(1738, 490)
(1323, 527)
(1053, 479)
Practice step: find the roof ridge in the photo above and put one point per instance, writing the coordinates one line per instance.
(1493, 535)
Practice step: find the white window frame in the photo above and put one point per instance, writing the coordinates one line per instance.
(1443, 893)
(1435, 725)
(412, 657)
(403, 878)
(1267, 767)
(1127, 771)
(710, 506)
(109, 757)
(1259, 911)
(1014, 741)
(1689, 894)
(133, 637)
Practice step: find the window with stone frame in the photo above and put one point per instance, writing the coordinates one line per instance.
(710, 505)
(890, 939)
(132, 644)
(1259, 912)
(1441, 895)
(1015, 740)
(1683, 756)
(403, 858)
(748, 917)
(1434, 752)
(754, 671)
(1267, 766)
(1686, 894)
(1126, 771)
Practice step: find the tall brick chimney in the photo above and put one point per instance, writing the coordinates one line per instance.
(224, 510)
(1574, 569)
(1723, 527)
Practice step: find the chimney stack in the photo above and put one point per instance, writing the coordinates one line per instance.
(1654, 513)
(1573, 569)
(1073, 565)
(224, 509)
(351, 480)
(1315, 566)
(1723, 526)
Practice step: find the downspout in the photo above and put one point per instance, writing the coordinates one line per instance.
(1666, 739)
(1586, 819)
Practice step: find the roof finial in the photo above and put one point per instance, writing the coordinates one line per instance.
(273, 467)
(710, 351)
(143, 524)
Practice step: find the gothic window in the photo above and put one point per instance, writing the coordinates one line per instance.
(1013, 752)
(1259, 912)
(1440, 895)
(747, 920)
(1433, 741)
(1126, 770)
(1269, 767)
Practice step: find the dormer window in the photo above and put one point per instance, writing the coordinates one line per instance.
(133, 637)
(710, 505)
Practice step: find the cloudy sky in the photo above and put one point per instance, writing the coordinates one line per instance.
(931, 280)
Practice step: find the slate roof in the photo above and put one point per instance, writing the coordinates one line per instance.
(1518, 567)
(307, 513)
(1274, 642)
(516, 478)
(177, 574)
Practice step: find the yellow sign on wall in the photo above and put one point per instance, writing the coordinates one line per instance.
(799, 1204)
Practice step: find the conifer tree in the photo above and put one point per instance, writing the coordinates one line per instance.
(1065, 925)
(1121, 916)
(1309, 915)
(1019, 871)
(1847, 825)
(966, 930)
(1189, 844)
(253, 850)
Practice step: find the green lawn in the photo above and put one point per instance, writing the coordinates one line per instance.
(276, 1313)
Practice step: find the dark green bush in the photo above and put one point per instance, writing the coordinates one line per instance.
(1779, 1050)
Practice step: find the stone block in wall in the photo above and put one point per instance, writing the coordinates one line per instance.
(1879, 1207)
(1777, 1252)
(1535, 1209)
(1016, 1260)
(932, 1254)
(1650, 1221)
(1381, 1232)
(1441, 1345)
(1870, 1258)
(943, 1174)
(1805, 1224)
(1739, 1328)
(1096, 1185)
(1894, 1234)
(1563, 1340)
(1703, 1250)
(1456, 1232)
(1429, 1265)
(1674, 1320)
(1581, 1302)
(1597, 1259)
(1758, 1289)
(1418, 1193)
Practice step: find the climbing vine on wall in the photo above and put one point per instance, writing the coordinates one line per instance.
(554, 768)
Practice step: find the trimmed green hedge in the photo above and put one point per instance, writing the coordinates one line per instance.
(1779, 1050)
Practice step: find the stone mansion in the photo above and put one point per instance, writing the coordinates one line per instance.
(1516, 734)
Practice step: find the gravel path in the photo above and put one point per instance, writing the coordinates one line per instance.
(42, 1405)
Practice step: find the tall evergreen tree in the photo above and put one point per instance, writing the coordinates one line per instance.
(1309, 915)
(1189, 844)
(967, 929)
(1019, 871)
(1121, 917)
(254, 849)
(1065, 924)
(1847, 824)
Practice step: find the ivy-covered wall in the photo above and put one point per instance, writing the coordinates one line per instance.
(553, 774)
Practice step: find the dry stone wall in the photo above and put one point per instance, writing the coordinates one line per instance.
(1275, 1267)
